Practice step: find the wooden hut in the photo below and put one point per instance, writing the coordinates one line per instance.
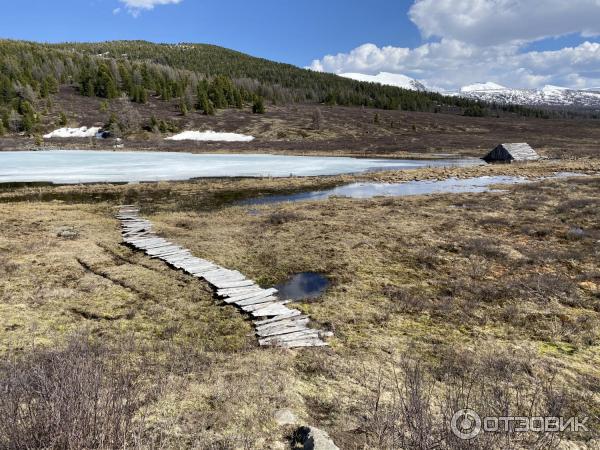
(507, 153)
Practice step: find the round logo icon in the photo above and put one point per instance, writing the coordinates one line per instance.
(466, 424)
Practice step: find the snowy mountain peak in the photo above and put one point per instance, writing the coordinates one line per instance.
(548, 95)
(477, 87)
(389, 79)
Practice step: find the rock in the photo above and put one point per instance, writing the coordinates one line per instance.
(285, 417)
(67, 233)
(312, 438)
(589, 286)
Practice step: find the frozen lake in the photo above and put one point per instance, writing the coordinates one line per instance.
(70, 166)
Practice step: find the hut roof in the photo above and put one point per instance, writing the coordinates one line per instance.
(516, 152)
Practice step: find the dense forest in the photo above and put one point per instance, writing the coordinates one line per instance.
(201, 77)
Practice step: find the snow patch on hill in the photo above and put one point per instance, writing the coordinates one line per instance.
(210, 136)
(388, 79)
(82, 132)
(489, 86)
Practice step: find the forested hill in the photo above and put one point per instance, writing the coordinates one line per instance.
(200, 77)
(136, 66)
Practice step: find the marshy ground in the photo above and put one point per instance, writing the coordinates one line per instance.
(434, 300)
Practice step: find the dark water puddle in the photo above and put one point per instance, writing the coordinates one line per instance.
(422, 187)
(303, 286)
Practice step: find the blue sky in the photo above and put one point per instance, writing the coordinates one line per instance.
(289, 31)
(444, 43)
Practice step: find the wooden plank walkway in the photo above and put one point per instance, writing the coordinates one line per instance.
(275, 323)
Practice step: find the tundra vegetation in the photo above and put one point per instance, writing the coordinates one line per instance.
(436, 303)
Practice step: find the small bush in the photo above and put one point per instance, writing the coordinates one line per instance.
(279, 218)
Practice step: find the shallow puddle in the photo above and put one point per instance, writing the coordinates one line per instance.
(303, 286)
(370, 190)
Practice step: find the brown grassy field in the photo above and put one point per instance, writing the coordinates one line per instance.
(436, 301)
(344, 131)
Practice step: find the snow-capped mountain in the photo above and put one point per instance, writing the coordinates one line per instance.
(547, 96)
(389, 79)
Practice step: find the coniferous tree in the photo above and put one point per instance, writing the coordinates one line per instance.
(105, 85)
(258, 106)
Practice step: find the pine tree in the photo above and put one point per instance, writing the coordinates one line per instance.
(2, 130)
(238, 99)
(105, 85)
(259, 106)
(183, 108)
(27, 123)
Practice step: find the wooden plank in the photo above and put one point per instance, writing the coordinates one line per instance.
(230, 275)
(271, 311)
(200, 271)
(296, 336)
(305, 343)
(263, 293)
(266, 305)
(166, 251)
(163, 250)
(281, 330)
(291, 313)
(238, 291)
(282, 323)
(236, 284)
(225, 273)
(256, 301)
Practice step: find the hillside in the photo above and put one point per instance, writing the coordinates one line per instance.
(201, 77)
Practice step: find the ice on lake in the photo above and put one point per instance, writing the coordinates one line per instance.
(74, 166)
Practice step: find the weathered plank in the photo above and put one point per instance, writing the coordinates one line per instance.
(238, 291)
(263, 293)
(299, 320)
(289, 314)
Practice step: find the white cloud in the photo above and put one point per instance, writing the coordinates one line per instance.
(136, 6)
(449, 64)
(490, 22)
(483, 40)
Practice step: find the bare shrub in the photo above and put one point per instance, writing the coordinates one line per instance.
(406, 300)
(543, 287)
(281, 217)
(483, 247)
(7, 266)
(412, 405)
(82, 396)
(576, 204)
(317, 119)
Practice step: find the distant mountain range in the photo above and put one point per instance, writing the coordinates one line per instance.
(549, 96)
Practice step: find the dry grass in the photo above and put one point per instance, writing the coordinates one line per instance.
(428, 279)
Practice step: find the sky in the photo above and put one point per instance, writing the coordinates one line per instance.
(445, 44)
